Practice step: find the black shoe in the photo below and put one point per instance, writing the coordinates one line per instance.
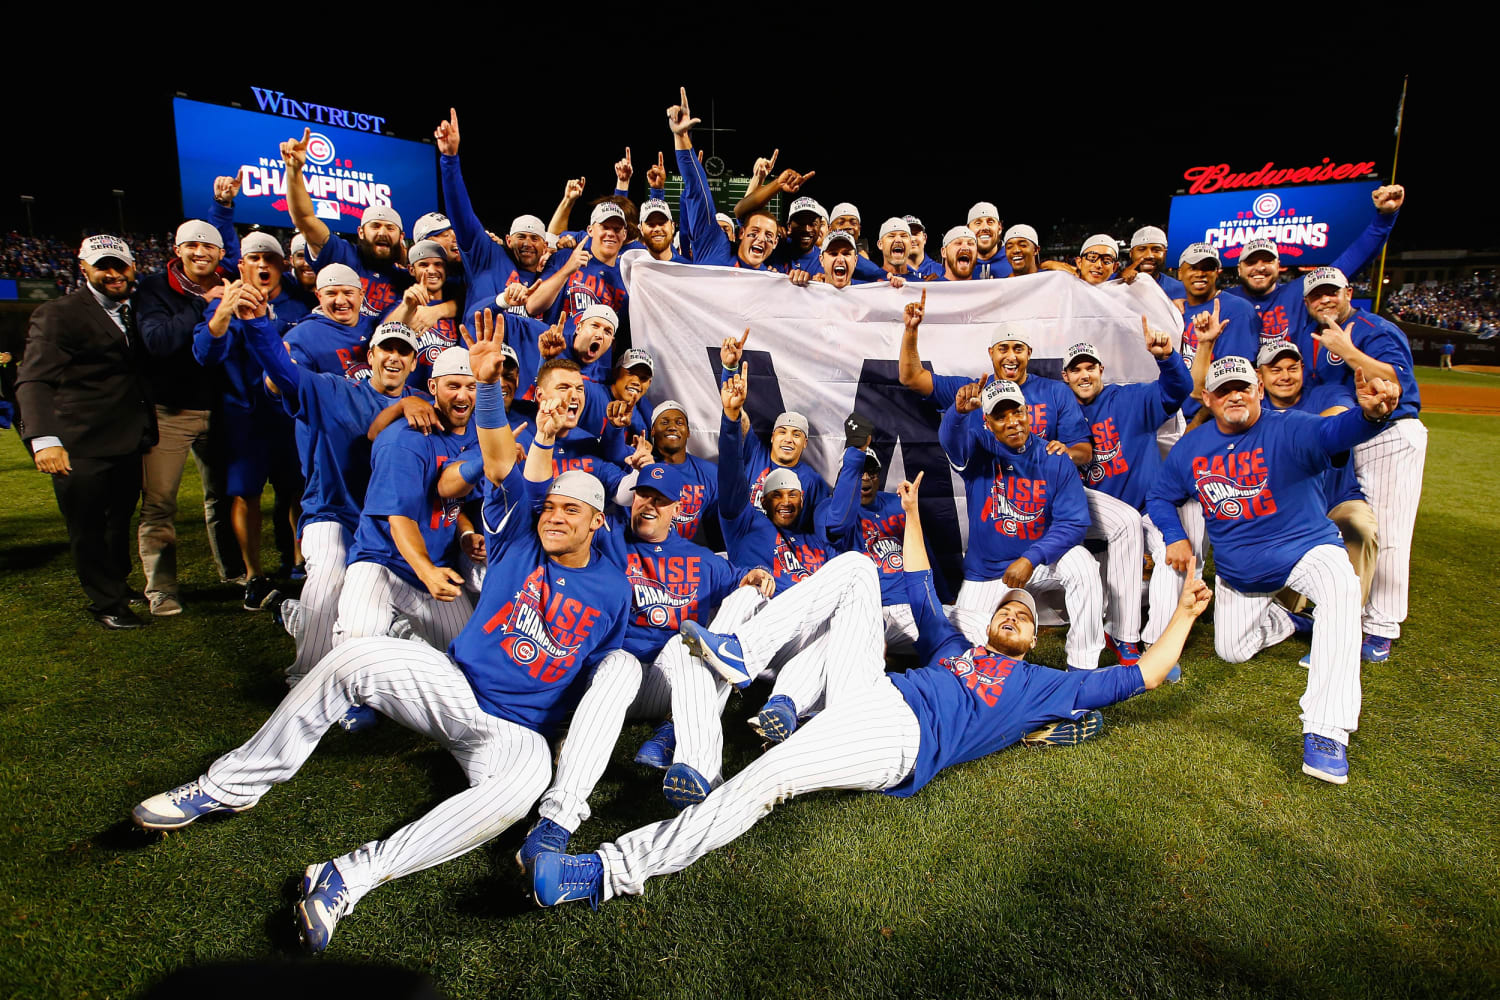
(259, 593)
(118, 619)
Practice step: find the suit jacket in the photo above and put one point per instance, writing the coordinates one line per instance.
(80, 381)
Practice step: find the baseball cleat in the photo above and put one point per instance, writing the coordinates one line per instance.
(260, 592)
(1375, 649)
(325, 900)
(1306, 661)
(1066, 732)
(684, 786)
(1301, 624)
(777, 720)
(658, 750)
(567, 878)
(543, 837)
(1175, 674)
(359, 717)
(1325, 758)
(1129, 653)
(721, 652)
(176, 809)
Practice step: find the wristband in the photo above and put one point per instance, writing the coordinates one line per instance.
(489, 406)
(471, 469)
(466, 534)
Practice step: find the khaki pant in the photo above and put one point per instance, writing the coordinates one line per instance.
(181, 432)
(1356, 522)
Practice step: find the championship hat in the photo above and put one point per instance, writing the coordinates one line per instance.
(338, 274)
(426, 250)
(1323, 276)
(1147, 234)
(661, 477)
(957, 233)
(299, 245)
(551, 239)
(453, 361)
(606, 210)
(97, 248)
(508, 354)
(1021, 231)
(198, 231)
(1272, 350)
(1000, 391)
(791, 418)
(655, 206)
(727, 220)
(780, 479)
(259, 242)
(663, 407)
(1197, 253)
(1229, 369)
(579, 485)
(914, 225)
(1023, 597)
(599, 311)
(983, 210)
(1010, 331)
(528, 224)
(381, 213)
(806, 204)
(844, 208)
(429, 224)
(1081, 350)
(894, 224)
(1101, 240)
(395, 331)
(635, 357)
(838, 236)
(1260, 246)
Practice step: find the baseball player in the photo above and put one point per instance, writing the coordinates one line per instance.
(1055, 416)
(1027, 517)
(1148, 255)
(984, 222)
(438, 228)
(549, 613)
(1097, 259)
(335, 336)
(959, 251)
(1023, 250)
(658, 232)
(1124, 419)
(922, 266)
(429, 311)
(696, 516)
(879, 732)
(895, 242)
(1390, 464)
(576, 286)
(1258, 476)
(839, 265)
(1205, 310)
(710, 244)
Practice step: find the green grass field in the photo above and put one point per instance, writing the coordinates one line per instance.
(1181, 854)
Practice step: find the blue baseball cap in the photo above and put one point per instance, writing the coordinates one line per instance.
(663, 478)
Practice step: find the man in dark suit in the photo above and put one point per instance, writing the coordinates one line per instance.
(87, 417)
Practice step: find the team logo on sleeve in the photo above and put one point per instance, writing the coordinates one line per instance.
(1234, 486)
(1016, 506)
(525, 635)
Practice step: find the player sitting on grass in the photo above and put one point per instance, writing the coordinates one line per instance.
(879, 732)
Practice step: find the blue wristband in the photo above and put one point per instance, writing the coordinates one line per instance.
(489, 406)
(472, 470)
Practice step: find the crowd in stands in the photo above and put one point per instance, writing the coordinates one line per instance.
(1468, 306)
(44, 258)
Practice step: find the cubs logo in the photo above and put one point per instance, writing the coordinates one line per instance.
(658, 473)
(655, 605)
(887, 554)
(525, 634)
(320, 151)
(1098, 470)
(432, 342)
(1333, 359)
(580, 297)
(1008, 516)
(1223, 497)
(959, 666)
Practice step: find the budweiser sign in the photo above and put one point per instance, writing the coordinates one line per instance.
(1219, 178)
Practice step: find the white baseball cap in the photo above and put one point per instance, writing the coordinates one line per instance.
(1021, 596)
(579, 485)
(1147, 234)
(636, 357)
(599, 311)
(453, 361)
(508, 353)
(1229, 369)
(426, 250)
(655, 206)
(957, 233)
(1081, 350)
(198, 231)
(838, 236)
(1261, 246)
(983, 210)
(1323, 276)
(806, 204)
(1000, 391)
(1101, 240)
(1197, 253)
(844, 208)
(780, 479)
(381, 213)
(97, 248)
(338, 274)
(728, 220)
(395, 331)
(528, 224)
(427, 225)
(1010, 331)
(1021, 231)
(895, 224)
(664, 406)
(606, 210)
(915, 224)
(791, 418)
(1271, 350)
(260, 242)
(299, 244)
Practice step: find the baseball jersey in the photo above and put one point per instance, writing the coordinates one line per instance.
(699, 227)
(595, 283)
(523, 333)
(755, 457)
(244, 390)
(865, 270)
(1051, 405)
(319, 344)
(970, 701)
(1022, 504)
(1166, 283)
(1124, 419)
(698, 504)
(383, 285)
(488, 266)
(582, 454)
(997, 266)
(1383, 341)
(538, 626)
(877, 529)
(750, 536)
(404, 469)
(430, 343)
(1282, 311)
(1261, 491)
(1240, 338)
(928, 269)
(1340, 484)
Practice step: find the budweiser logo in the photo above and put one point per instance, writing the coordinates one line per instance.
(1218, 177)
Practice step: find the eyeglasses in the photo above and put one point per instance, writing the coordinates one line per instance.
(1094, 257)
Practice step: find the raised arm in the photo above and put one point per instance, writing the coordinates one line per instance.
(734, 488)
(299, 204)
(1157, 662)
(572, 191)
(909, 368)
(497, 442)
(540, 299)
(1388, 201)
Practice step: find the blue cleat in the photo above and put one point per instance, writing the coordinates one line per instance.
(777, 720)
(684, 786)
(1306, 662)
(566, 878)
(359, 717)
(1129, 653)
(1301, 624)
(544, 836)
(1325, 758)
(1375, 649)
(1066, 732)
(1174, 675)
(658, 750)
(176, 809)
(721, 652)
(324, 901)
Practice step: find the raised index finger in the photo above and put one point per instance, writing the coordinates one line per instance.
(744, 338)
(923, 303)
(774, 153)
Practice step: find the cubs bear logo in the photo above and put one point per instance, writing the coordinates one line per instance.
(1223, 497)
(525, 634)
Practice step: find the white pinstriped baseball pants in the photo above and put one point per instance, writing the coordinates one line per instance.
(1166, 583)
(865, 739)
(325, 547)
(507, 765)
(1389, 468)
(1246, 623)
(1118, 525)
(1076, 573)
(373, 596)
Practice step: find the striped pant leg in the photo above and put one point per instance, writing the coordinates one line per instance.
(1119, 525)
(1330, 706)
(1190, 513)
(867, 739)
(1389, 467)
(325, 548)
(368, 604)
(900, 628)
(975, 606)
(437, 622)
(592, 734)
(1078, 575)
(1165, 588)
(698, 695)
(1245, 623)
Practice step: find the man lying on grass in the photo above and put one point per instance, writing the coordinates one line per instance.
(879, 731)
